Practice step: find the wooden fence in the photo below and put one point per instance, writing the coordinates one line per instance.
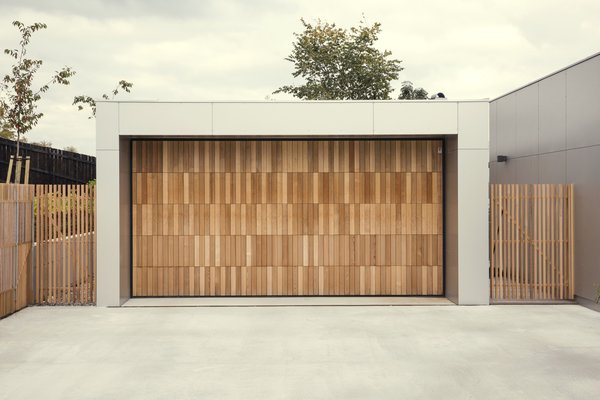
(531, 242)
(65, 250)
(47, 245)
(49, 165)
(16, 241)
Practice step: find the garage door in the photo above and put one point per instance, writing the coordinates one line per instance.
(287, 218)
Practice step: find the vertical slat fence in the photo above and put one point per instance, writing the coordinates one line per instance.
(16, 241)
(531, 242)
(47, 245)
(65, 266)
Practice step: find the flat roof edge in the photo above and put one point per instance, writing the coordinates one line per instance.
(485, 100)
(547, 76)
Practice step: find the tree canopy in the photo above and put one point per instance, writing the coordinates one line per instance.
(408, 92)
(18, 97)
(341, 64)
(84, 101)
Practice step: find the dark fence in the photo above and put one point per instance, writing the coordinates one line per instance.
(48, 165)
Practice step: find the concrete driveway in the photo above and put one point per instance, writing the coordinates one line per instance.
(419, 352)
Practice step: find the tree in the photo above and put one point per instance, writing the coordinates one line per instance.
(18, 98)
(84, 101)
(340, 64)
(408, 92)
(72, 149)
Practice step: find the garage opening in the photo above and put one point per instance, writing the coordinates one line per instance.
(287, 217)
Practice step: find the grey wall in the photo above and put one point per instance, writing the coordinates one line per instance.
(550, 131)
(124, 219)
(451, 219)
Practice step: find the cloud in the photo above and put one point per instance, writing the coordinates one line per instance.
(203, 50)
(100, 9)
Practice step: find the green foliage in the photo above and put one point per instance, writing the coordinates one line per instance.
(5, 131)
(408, 92)
(7, 134)
(341, 64)
(72, 202)
(84, 101)
(18, 98)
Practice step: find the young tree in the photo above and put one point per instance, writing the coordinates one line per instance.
(340, 64)
(18, 97)
(84, 101)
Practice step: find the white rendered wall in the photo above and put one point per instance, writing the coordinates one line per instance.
(289, 118)
(473, 192)
(465, 122)
(113, 208)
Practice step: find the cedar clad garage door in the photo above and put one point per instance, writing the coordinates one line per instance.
(287, 218)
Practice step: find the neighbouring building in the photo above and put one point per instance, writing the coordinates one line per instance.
(549, 131)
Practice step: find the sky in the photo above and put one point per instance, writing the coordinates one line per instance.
(235, 49)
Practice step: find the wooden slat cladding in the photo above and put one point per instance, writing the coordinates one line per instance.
(16, 243)
(531, 242)
(65, 262)
(256, 218)
(47, 245)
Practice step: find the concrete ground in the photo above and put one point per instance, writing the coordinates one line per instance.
(374, 352)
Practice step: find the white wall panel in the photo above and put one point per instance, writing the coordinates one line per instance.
(415, 118)
(107, 126)
(473, 125)
(294, 118)
(176, 119)
(473, 231)
(107, 236)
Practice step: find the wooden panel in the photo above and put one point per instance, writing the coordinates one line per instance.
(287, 218)
(61, 220)
(531, 242)
(16, 241)
(64, 271)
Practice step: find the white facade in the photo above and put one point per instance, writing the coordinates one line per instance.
(463, 125)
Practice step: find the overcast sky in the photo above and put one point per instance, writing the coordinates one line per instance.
(234, 49)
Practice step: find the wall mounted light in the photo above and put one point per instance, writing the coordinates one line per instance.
(502, 158)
